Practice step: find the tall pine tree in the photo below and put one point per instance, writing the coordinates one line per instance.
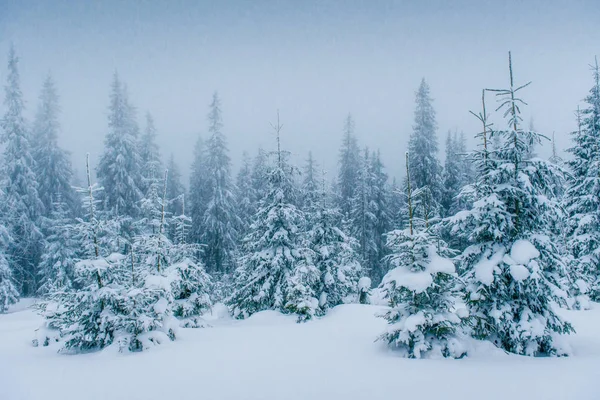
(275, 271)
(22, 207)
(425, 168)
(349, 161)
(221, 222)
(512, 268)
(582, 197)
(52, 165)
(119, 169)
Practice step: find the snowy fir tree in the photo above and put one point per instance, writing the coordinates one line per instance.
(260, 172)
(221, 221)
(363, 219)
(423, 147)
(175, 189)
(21, 207)
(512, 269)
(198, 194)
(119, 169)
(57, 266)
(310, 192)
(349, 164)
(420, 290)
(190, 284)
(149, 152)
(52, 165)
(334, 255)
(380, 198)
(175, 194)
(582, 197)
(8, 291)
(275, 270)
(451, 176)
(246, 197)
(126, 300)
(397, 206)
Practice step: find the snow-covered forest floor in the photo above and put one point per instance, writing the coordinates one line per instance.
(270, 356)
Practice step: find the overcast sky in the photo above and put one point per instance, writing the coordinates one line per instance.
(315, 61)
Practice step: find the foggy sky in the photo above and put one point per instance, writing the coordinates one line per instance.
(315, 61)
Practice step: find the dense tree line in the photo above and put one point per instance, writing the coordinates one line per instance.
(485, 243)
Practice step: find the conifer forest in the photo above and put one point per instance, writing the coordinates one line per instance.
(129, 271)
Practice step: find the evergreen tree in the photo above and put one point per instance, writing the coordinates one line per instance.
(175, 195)
(363, 218)
(423, 147)
(452, 176)
(275, 271)
(334, 255)
(175, 189)
(512, 268)
(246, 198)
(349, 161)
(150, 161)
(467, 175)
(220, 218)
(310, 193)
(582, 197)
(21, 206)
(199, 194)
(397, 206)
(8, 291)
(52, 165)
(57, 266)
(119, 169)
(128, 300)
(259, 177)
(380, 199)
(420, 290)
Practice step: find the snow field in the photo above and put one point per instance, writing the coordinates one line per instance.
(270, 356)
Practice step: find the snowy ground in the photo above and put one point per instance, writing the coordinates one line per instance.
(269, 356)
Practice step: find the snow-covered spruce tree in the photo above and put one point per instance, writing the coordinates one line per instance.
(175, 189)
(362, 218)
(397, 206)
(246, 198)
(275, 270)
(349, 161)
(57, 266)
(451, 176)
(86, 319)
(199, 194)
(8, 291)
(310, 193)
(190, 284)
(175, 195)
(149, 152)
(52, 165)
(21, 207)
(512, 267)
(260, 172)
(456, 175)
(126, 300)
(420, 289)
(423, 145)
(119, 169)
(582, 197)
(221, 221)
(334, 254)
(94, 231)
(467, 174)
(380, 199)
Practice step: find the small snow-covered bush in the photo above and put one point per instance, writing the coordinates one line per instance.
(421, 294)
(189, 286)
